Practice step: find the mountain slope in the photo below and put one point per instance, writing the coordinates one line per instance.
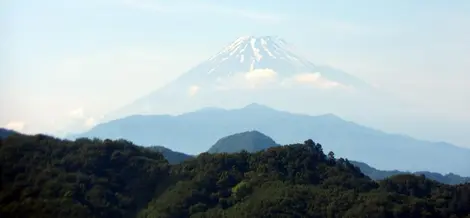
(251, 141)
(46, 177)
(376, 174)
(263, 69)
(6, 132)
(250, 53)
(243, 141)
(41, 176)
(299, 180)
(173, 157)
(194, 132)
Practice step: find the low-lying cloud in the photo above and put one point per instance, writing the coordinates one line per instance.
(77, 113)
(268, 78)
(193, 90)
(259, 77)
(90, 122)
(15, 125)
(79, 117)
(315, 80)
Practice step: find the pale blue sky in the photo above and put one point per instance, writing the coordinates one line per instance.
(63, 64)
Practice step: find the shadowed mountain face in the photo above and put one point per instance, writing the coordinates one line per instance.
(173, 157)
(373, 173)
(251, 141)
(6, 132)
(194, 132)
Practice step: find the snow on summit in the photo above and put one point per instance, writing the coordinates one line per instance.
(256, 48)
(249, 53)
(255, 60)
(239, 72)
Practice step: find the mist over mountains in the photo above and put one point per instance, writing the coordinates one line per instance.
(270, 71)
(254, 141)
(234, 109)
(266, 70)
(194, 132)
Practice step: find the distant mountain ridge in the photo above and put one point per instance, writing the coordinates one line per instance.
(450, 178)
(243, 141)
(243, 70)
(173, 157)
(194, 132)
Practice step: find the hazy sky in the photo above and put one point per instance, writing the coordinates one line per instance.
(63, 64)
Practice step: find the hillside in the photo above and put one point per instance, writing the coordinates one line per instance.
(379, 149)
(173, 157)
(244, 141)
(6, 132)
(251, 141)
(298, 181)
(47, 177)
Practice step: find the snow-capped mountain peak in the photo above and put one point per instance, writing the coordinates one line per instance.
(265, 58)
(253, 48)
(249, 53)
(245, 65)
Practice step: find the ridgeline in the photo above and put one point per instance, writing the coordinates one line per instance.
(42, 176)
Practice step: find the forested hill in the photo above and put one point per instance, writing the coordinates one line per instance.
(254, 141)
(46, 177)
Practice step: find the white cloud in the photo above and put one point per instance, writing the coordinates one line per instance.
(90, 122)
(141, 69)
(15, 125)
(255, 79)
(312, 80)
(268, 78)
(81, 119)
(307, 78)
(259, 77)
(193, 90)
(77, 113)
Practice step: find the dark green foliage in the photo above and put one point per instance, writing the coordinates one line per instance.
(251, 141)
(255, 141)
(299, 181)
(46, 177)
